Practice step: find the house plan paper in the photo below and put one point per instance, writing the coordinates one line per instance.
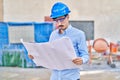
(57, 54)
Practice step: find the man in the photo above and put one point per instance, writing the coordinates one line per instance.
(60, 15)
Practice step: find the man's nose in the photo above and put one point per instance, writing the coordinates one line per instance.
(59, 23)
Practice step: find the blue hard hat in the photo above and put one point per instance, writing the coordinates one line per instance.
(59, 9)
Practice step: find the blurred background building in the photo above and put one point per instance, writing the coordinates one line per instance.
(104, 13)
(98, 18)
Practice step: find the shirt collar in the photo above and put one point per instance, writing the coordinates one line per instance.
(68, 28)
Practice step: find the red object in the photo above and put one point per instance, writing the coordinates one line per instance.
(113, 47)
(48, 19)
(100, 45)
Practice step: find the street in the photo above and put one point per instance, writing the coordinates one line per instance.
(16, 73)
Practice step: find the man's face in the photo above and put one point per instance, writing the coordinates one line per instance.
(61, 22)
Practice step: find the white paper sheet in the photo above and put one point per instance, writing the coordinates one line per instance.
(57, 54)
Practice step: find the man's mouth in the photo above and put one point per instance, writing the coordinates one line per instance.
(60, 26)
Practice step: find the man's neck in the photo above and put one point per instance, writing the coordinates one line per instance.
(61, 31)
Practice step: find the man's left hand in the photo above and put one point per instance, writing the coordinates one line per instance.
(77, 61)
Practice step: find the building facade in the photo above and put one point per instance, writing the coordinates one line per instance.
(104, 13)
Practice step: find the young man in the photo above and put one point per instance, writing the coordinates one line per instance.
(60, 15)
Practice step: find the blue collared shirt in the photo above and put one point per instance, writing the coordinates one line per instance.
(79, 42)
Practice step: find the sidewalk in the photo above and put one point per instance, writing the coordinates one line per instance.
(113, 74)
(16, 73)
(95, 71)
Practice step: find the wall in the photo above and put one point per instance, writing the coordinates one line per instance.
(104, 13)
(1, 10)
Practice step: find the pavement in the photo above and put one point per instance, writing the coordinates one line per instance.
(94, 71)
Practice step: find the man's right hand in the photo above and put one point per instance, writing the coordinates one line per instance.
(30, 56)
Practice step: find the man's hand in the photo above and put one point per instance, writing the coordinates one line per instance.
(30, 56)
(77, 61)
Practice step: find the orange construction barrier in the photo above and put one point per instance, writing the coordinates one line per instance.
(113, 47)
